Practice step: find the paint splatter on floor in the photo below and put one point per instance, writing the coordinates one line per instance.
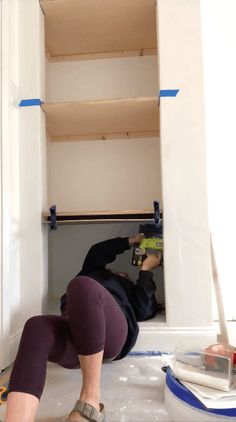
(132, 391)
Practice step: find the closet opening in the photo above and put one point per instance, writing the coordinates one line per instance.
(102, 123)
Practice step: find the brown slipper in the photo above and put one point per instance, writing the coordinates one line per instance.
(84, 412)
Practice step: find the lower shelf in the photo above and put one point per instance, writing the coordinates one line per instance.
(102, 119)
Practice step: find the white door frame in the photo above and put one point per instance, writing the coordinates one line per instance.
(23, 283)
(4, 197)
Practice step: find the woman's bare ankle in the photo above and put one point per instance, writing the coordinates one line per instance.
(94, 401)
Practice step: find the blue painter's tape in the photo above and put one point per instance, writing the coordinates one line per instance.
(168, 92)
(147, 353)
(185, 395)
(31, 102)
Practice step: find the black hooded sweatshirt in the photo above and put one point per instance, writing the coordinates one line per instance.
(137, 301)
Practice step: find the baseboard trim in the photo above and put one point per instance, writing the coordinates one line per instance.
(167, 339)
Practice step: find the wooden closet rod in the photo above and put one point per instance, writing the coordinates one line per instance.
(100, 216)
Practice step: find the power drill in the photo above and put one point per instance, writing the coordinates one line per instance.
(153, 238)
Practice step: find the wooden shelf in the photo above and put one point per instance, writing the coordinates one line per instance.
(103, 119)
(100, 216)
(91, 29)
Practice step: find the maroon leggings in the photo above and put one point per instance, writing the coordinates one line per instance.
(93, 322)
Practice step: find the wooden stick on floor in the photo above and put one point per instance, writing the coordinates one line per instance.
(219, 300)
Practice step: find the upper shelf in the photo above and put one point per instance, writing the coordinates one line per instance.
(91, 29)
(102, 119)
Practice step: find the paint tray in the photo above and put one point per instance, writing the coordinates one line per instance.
(204, 368)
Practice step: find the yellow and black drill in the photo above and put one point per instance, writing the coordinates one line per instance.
(153, 238)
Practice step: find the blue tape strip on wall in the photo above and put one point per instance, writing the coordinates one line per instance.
(168, 92)
(31, 102)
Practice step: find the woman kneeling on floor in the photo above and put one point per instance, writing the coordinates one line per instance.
(99, 315)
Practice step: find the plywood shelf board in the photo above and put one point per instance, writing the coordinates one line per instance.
(103, 119)
(95, 56)
(98, 27)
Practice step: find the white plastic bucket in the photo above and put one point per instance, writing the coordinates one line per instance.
(182, 406)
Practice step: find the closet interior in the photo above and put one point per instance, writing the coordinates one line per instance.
(102, 124)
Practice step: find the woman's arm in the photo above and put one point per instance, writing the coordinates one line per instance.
(144, 300)
(104, 253)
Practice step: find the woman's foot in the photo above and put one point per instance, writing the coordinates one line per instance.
(84, 412)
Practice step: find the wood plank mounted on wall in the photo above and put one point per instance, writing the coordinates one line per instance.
(83, 29)
(102, 119)
(101, 216)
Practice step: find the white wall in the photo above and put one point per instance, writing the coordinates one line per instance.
(9, 187)
(183, 156)
(23, 147)
(32, 157)
(100, 175)
(102, 79)
(219, 65)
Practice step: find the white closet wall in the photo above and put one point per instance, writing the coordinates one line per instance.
(183, 155)
(219, 35)
(23, 189)
(102, 79)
